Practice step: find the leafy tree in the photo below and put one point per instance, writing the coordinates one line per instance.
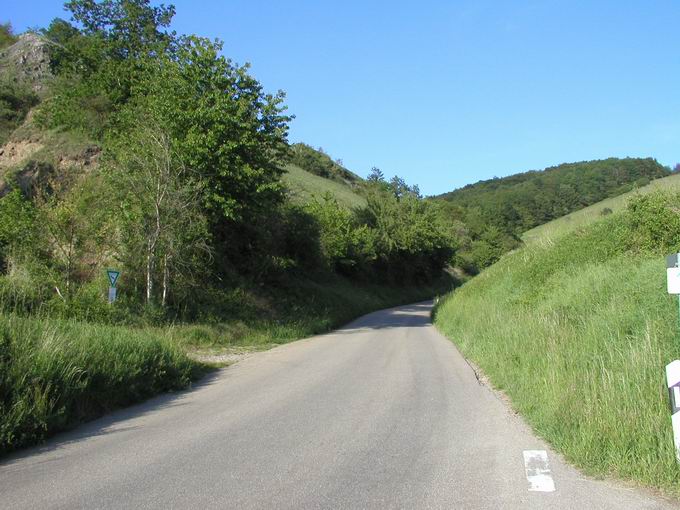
(7, 36)
(76, 229)
(375, 175)
(411, 241)
(227, 130)
(163, 229)
(346, 245)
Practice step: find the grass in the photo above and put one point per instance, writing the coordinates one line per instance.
(304, 186)
(577, 333)
(55, 374)
(551, 230)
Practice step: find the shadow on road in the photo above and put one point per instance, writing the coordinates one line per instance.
(410, 316)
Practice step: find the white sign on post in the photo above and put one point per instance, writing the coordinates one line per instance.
(673, 280)
(673, 382)
(672, 274)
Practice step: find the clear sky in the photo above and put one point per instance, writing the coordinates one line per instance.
(445, 93)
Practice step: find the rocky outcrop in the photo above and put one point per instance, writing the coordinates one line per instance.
(27, 60)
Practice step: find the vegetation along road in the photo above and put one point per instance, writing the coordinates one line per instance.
(384, 413)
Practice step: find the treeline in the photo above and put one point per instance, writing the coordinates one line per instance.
(490, 216)
(186, 198)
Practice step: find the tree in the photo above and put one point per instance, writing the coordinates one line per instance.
(7, 36)
(375, 175)
(161, 215)
(17, 226)
(226, 129)
(76, 229)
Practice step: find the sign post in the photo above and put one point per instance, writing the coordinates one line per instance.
(113, 279)
(673, 368)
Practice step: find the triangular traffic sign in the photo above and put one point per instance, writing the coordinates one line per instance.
(113, 276)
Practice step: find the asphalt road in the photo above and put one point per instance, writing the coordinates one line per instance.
(384, 413)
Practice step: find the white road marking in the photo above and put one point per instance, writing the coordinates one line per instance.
(538, 471)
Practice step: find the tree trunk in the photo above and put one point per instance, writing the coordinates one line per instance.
(149, 271)
(166, 281)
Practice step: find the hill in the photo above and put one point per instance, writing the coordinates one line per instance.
(490, 216)
(577, 331)
(305, 186)
(587, 215)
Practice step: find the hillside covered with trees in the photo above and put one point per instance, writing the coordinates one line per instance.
(187, 185)
(490, 216)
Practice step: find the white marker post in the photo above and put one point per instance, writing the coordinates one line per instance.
(673, 382)
(673, 369)
(113, 278)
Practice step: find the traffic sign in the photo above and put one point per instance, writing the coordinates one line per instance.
(113, 276)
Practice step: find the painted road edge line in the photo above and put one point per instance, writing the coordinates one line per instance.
(538, 471)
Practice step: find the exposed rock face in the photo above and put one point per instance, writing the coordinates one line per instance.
(28, 60)
(13, 153)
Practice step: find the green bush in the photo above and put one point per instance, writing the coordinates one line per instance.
(654, 222)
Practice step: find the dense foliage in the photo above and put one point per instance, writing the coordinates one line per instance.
(492, 214)
(7, 36)
(187, 198)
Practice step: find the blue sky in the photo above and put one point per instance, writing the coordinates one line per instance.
(445, 93)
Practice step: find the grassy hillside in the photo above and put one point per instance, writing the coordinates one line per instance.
(577, 333)
(304, 186)
(594, 212)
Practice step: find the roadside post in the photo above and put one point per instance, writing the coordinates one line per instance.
(113, 278)
(673, 368)
(673, 382)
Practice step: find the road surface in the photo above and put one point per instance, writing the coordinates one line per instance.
(384, 413)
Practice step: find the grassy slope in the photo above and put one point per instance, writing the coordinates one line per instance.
(304, 185)
(592, 213)
(577, 332)
(55, 374)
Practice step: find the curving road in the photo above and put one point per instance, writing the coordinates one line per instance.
(383, 413)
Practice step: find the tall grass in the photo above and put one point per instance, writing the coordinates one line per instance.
(54, 374)
(577, 333)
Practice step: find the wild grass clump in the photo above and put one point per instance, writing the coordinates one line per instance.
(577, 334)
(55, 374)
